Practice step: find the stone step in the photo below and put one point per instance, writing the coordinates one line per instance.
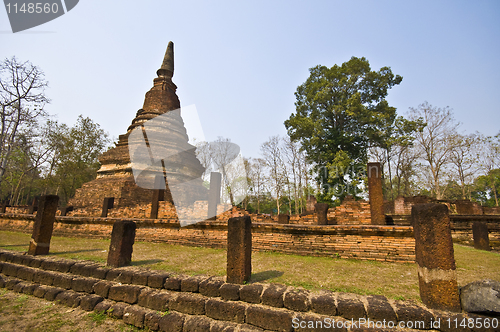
(144, 298)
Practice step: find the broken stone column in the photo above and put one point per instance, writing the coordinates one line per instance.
(480, 235)
(239, 250)
(311, 202)
(399, 205)
(435, 257)
(283, 219)
(158, 196)
(34, 206)
(122, 242)
(44, 225)
(65, 210)
(322, 213)
(375, 193)
(214, 194)
(4, 207)
(107, 204)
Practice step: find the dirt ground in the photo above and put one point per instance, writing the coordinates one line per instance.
(21, 312)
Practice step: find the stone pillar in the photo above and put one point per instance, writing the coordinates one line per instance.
(107, 204)
(65, 210)
(480, 235)
(374, 171)
(399, 205)
(43, 226)
(322, 213)
(214, 194)
(158, 196)
(4, 207)
(239, 250)
(34, 206)
(435, 257)
(311, 202)
(283, 219)
(122, 242)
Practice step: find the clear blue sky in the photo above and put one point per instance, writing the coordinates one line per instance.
(241, 62)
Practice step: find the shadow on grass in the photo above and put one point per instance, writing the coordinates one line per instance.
(147, 261)
(13, 245)
(73, 252)
(265, 275)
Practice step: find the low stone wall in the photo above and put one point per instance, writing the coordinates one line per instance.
(366, 242)
(402, 205)
(351, 210)
(163, 301)
(461, 226)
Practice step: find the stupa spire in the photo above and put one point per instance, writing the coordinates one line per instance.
(167, 67)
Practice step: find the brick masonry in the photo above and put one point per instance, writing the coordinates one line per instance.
(366, 242)
(146, 299)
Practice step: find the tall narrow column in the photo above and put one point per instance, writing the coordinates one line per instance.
(480, 235)
(374, 171)
(435, 257)
(107, 204)
(322, 213)
(239, 250)
(66, 209)
(4, 207)
(34, 206)
(214, 194)
(44, 225)
(158, 196)
(122, 242)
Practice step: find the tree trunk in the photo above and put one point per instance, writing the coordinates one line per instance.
(388, 158)
(495, 192)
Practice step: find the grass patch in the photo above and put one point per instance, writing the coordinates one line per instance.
(19, 304)
(98, 317)
(164, 313)
(394, 280)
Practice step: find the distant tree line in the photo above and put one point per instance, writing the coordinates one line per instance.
(440, 161)
(39, 155)
(342, 120)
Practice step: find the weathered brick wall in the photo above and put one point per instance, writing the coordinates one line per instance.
(353, 212)
(491, 210)
(461, 227)
(402, 205)
(382, 243)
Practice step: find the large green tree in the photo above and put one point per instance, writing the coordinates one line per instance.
(75, 161)
(340, 112)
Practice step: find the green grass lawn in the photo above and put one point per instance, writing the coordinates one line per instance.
(394, 280)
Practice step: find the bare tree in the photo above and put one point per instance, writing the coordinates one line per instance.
(257, 176)
(37, 148)
(222, 152)
(405, 161)
(491, 161)
(434, 142)
(204, 155)
(295, 160)
(464, 155)
(272, 155)
(22, 101)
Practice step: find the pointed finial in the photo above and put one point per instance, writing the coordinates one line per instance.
(167, 67)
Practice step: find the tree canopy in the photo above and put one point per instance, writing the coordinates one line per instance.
(340, 112)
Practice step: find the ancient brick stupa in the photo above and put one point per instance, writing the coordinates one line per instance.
(115, 177)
